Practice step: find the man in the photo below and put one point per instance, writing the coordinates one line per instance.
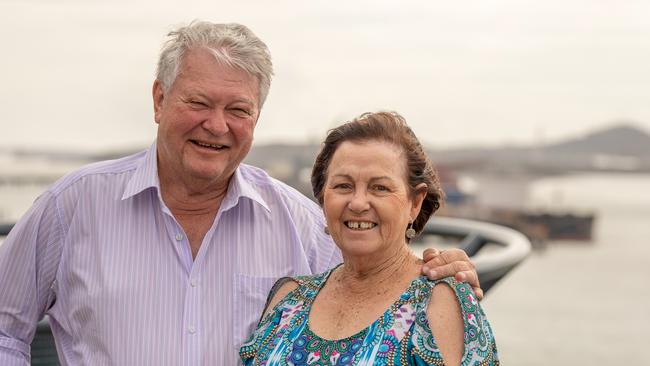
(165, 257)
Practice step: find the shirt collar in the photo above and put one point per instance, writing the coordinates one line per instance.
(241, 187)
(146, 176)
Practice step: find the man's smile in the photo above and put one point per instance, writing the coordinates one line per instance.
(207, 145)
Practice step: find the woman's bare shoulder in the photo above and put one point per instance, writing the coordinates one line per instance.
(446, 322)
(280, 293)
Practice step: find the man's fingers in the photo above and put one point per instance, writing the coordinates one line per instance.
(471, 277)
(468, 276)
(430, 253)
(445, 270)
(478, 292)
(452, 262)
(434, 258)
(455, 255)
(461, 271)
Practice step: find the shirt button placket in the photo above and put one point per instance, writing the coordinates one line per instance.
(193, 320)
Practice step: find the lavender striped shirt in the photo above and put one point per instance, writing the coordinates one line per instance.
(102, 255)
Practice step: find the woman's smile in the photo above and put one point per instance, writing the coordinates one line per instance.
(360, 225)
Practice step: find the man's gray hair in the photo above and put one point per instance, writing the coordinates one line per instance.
(232, 44)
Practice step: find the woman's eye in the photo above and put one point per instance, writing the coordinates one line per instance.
(341, 186)
(381, 188)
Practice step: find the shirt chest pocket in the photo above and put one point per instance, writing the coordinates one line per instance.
(250, 294)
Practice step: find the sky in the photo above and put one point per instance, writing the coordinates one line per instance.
(77, 75)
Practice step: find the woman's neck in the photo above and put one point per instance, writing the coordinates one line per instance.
(363, 274)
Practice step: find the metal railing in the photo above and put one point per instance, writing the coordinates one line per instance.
(472, 237)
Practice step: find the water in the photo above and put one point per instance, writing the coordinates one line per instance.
(574, 303)
(577, 303)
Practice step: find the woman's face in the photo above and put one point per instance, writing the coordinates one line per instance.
(366, 198)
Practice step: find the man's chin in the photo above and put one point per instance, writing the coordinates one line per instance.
(211, 174)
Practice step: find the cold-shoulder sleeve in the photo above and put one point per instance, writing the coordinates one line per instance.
(479, 345)
(265, 327)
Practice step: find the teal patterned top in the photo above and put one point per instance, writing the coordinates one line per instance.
(401, 336)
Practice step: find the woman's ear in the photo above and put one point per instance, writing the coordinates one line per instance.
(419, 194)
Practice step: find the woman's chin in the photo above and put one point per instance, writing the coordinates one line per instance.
(359, 248)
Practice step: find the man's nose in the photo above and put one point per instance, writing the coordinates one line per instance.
(359, 202)
(216, 122)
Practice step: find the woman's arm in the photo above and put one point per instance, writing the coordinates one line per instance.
(446, 323)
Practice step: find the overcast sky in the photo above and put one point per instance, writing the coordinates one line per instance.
(78, 74)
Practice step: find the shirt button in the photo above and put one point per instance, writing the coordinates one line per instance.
(193, 283)
(179, 237)
(191, 329)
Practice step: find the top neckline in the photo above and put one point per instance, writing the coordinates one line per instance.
(402, 299)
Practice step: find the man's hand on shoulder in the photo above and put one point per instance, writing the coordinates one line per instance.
(451, 262)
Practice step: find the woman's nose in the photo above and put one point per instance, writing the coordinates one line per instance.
(359, 202)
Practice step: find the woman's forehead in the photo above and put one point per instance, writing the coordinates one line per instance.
(376, 158)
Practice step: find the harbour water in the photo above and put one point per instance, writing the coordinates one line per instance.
(573, 303)
(578, 303)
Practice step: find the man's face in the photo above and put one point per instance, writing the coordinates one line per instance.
(205, 120)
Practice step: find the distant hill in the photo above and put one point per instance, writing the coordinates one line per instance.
(622, 147)
(619, 140)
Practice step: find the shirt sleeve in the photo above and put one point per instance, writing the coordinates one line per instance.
(29, 258)
(323, 254)
(480, 347)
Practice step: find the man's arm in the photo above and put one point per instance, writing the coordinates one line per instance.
(451, 262)
(28, 262)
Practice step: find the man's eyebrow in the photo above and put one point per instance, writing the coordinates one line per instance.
(193, 93)
(245, 101)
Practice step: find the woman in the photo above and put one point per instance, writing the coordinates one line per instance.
(377, 189)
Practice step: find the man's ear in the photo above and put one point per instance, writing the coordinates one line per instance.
(158, 94)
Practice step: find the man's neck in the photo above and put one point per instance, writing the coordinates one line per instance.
(182, 200)
(186, 195)
(193, 205)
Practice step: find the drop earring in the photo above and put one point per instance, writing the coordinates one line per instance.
(410, 232)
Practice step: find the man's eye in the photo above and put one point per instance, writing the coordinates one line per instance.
(241, 112)
(196, 103)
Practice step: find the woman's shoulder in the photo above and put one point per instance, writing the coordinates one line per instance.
(314, 281)
(451, 309)
(295, 288)
(462, 291)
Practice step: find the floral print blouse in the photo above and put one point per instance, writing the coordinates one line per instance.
(401, 336)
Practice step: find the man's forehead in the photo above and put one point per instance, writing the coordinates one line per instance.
(205, 74)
